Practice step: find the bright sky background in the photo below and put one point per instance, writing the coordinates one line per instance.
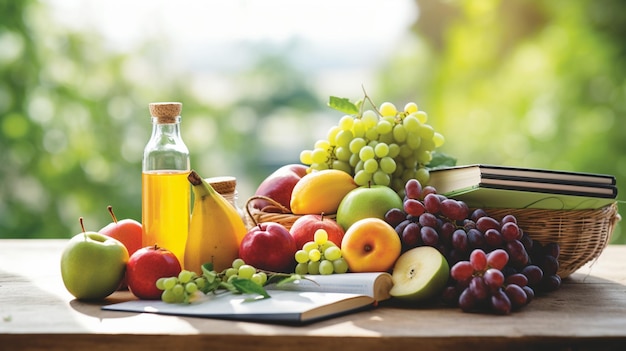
(340, 44)
(349, 31)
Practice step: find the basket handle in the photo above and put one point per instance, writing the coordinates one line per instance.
(616, 217)
(275, 205)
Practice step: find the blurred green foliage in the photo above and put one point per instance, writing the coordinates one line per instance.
(518, 82)
(75, 120)
(523, 83)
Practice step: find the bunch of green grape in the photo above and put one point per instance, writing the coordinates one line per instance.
(320, 256)
(181, 288)
(242, 270)
(383, 146)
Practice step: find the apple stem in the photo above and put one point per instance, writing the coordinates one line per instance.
(110, 208)
(322, 216)
(82, 225)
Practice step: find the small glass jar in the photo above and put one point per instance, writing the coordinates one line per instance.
(227, 187)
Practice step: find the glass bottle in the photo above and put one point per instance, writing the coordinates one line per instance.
(166, 191)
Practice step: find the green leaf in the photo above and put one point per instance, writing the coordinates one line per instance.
(289, 279)
(228, 286)
(211, 286)
(343, 105)
(441, 160)
(247, 286)
(210, 276)
(207, 267)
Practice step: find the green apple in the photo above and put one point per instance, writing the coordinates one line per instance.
(93, 265)
(371, 201)
(419, 274)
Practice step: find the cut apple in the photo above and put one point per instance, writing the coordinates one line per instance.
(419, 274)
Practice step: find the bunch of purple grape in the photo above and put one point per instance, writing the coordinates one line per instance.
(495, 266)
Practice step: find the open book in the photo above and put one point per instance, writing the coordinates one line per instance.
(293, 303)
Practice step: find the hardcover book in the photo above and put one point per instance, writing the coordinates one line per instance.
(474, 172)
(513, 187)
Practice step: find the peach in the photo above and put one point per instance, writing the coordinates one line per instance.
(371, 245)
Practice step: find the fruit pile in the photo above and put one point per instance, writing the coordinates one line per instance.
(495, 265)
(361, 207)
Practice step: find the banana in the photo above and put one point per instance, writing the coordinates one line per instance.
(321, 192)
(215, 229)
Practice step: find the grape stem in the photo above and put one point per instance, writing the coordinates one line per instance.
(368, 98)
(283, 278)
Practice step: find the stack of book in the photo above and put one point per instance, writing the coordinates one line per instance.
(489, 186)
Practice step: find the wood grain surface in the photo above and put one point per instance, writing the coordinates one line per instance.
(36, 313)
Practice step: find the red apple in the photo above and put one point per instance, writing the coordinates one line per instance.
(127, 231)
(146, 266)
(278, 186)
(303, 229)
(269, 246)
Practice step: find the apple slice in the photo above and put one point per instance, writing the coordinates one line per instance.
(419, 274)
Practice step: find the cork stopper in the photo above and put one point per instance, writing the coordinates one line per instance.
(224, 184)
(165, 112)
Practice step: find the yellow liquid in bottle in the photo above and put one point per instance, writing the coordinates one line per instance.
(166, 210)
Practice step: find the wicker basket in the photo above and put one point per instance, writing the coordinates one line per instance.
(581, 234)
(273, 213)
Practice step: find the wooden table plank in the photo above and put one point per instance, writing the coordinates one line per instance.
(36, 313)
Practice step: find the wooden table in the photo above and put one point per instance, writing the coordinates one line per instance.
(37, 313)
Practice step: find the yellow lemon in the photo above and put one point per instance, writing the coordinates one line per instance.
(321, 192)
